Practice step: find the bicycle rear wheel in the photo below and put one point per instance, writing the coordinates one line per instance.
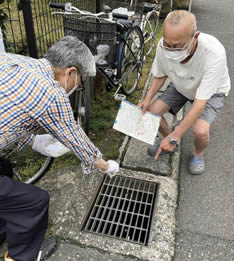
(28, 165)
(149, 31)
(81, 105)
(131, 59)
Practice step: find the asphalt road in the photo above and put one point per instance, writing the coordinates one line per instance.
(205, 213)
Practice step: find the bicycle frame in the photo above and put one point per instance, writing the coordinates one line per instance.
(113, 76)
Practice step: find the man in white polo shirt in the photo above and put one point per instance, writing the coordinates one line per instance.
(196, 65)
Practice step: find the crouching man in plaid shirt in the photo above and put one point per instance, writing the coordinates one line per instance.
(34, 93)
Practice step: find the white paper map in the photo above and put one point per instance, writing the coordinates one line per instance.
(131, 122)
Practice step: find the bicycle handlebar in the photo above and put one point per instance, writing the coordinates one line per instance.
(58, 5)
(68, 8)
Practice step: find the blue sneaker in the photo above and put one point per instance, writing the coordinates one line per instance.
(196, 165)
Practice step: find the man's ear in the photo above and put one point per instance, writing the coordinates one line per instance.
(70, 70)
(197, 34)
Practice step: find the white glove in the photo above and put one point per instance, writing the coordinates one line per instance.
(49, 146)
(113, 168)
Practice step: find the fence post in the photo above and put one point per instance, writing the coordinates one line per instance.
(98, 6)
(2, 48)
(28, 22)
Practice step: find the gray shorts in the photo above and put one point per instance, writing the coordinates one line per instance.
(176, 101)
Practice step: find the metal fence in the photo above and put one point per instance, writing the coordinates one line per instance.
(31, 28)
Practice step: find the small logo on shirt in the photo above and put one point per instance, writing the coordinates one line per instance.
(192, 78)
(185, 78)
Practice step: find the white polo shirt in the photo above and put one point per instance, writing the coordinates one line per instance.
(205, 74)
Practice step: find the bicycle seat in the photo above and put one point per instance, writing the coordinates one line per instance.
(126, 23)
(148, 7)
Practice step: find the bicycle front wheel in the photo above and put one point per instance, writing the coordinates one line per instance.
(149, 31)
(131, 59)
(28, 165)
(81, 105)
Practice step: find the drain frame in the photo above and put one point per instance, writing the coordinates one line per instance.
(105, 207)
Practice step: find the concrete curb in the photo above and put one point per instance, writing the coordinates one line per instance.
(165, 248)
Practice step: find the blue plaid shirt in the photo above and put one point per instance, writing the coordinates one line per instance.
(30, 98)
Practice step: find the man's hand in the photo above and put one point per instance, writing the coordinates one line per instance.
(112, 169)
(144, 105)
(165, 145)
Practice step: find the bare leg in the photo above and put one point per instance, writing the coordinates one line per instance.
(201, 132)
(164, 128)
(160, 108)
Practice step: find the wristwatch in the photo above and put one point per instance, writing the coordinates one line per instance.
(172, 141)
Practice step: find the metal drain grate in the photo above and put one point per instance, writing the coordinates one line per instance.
(123, 209)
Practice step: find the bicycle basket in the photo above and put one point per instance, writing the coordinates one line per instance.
(96, 33)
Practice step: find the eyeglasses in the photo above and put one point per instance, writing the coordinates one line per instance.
(82, 79)
(186, 46)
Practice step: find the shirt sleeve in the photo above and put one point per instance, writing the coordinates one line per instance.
(59, 121)
(157, 67)
(25, 142)
(211, 79)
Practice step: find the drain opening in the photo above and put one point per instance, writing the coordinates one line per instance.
(123, 209)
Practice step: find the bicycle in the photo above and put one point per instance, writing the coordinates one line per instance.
(113, 38)
(149, 25)
(148, 22)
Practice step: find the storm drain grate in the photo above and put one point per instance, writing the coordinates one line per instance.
(123, 209)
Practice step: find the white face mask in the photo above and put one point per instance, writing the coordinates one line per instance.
(178, 54)
(73, 88)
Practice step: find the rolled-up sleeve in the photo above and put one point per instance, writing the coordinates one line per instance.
(59, 121)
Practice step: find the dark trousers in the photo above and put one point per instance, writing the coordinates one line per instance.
(23, 217)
